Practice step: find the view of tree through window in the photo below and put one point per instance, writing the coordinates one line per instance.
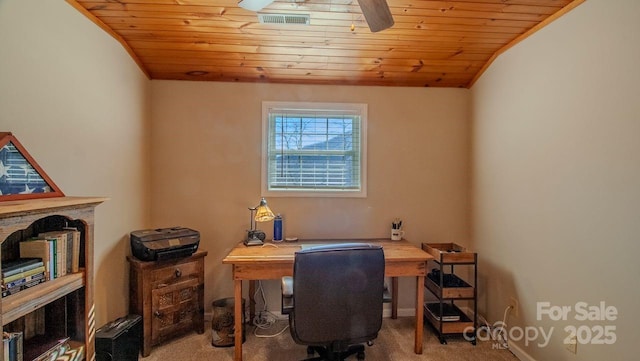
(317, 150)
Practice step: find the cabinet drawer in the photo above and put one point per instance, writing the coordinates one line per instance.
(174, 272)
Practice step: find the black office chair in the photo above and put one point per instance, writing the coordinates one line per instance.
(334, 299)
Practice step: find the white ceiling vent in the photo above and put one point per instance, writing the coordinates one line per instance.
(300, 19)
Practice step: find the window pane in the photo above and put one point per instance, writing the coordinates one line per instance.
(314, 171)
(311, 149)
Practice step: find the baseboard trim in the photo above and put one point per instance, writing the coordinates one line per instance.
(402, 312)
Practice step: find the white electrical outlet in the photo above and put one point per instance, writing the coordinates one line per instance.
(571, 343)
(513, 303)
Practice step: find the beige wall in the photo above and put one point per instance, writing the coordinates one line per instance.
(556, 175)
(79, 105)
(206, 168)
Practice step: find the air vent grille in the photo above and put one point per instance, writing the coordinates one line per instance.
(299, 19)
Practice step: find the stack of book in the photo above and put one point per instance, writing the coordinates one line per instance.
(48, 256)
(21, 274)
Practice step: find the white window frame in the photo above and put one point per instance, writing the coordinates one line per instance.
(360, 108)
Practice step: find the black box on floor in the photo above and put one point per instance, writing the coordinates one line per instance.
(119, 340)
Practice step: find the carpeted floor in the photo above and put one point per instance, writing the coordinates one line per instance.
(394, 343)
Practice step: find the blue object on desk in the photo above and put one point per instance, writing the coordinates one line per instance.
(277, 228)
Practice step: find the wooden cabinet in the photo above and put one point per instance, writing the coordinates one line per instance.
(62, 307)
(169, 295)
(445, 315)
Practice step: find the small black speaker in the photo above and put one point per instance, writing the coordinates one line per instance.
(119, 340)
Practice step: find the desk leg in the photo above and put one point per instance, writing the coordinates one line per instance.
(252, 300)
(419, 314)
(394, 297)
(237, 314)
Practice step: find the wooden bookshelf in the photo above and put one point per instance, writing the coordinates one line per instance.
(68, 301)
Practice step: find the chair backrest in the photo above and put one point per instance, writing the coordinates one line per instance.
(337, 294)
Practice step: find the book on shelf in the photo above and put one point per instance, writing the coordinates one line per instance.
(60, 240)
(53, 254)
(68, 256)
(19, 265)
(42, 247)
(21, 275)
(12, 346)
(24, 280)
(66, 250)
(38, 248)
(22, 284)
(74, 250)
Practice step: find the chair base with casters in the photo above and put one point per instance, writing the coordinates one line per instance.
(332, 355)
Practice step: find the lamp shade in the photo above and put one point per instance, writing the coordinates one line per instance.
(263, 213)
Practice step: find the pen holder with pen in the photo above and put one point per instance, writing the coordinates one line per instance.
(396, 232)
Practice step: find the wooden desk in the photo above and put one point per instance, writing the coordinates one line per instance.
(275, 260)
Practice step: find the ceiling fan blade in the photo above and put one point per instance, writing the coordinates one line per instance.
(254, 5)
(377, 14)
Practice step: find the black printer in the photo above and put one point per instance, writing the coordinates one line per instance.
(164, 243)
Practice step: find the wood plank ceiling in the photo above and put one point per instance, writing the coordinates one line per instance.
(432, 44)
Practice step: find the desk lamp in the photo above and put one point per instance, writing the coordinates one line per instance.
(255, 237)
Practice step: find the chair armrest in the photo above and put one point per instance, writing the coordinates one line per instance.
(287, 294)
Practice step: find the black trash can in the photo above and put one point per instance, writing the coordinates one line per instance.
(222, 323)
